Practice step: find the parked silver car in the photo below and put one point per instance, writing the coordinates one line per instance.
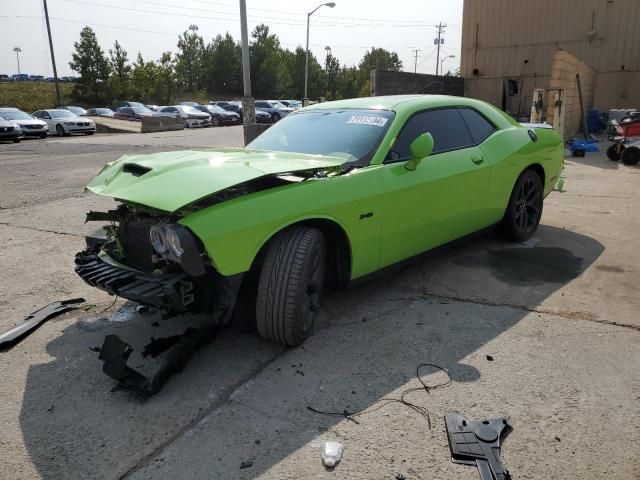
(30, 126)
(65, 123)
(192, 117)
(273, 107)
(10, 131)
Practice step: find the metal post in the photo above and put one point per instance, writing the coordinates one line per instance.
(305, 99)
(17, 50)
(415, 63)
(248, 105)
(53, 58)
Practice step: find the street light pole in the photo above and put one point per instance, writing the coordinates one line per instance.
(248, 105)
(306, 56)
(17, 50)
(442, 61)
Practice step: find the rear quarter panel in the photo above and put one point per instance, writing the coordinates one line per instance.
(511, 151)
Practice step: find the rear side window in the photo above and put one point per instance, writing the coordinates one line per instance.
(479, 126)
(446, 126)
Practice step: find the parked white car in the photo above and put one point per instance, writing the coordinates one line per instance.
(30, 126)
(64, 122)
(192, 117)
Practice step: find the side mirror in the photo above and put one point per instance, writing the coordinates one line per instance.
(421, 148)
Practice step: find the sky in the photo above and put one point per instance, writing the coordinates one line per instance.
(152, 27)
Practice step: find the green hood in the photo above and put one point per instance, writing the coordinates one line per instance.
(170, 180)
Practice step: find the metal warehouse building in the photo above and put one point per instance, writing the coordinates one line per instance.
(510, 47)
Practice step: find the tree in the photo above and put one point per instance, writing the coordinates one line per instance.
(266, 59)
(381, 59)
(189, 59)
(331, 72)
(224, 66)
(165, 82)
(92, 65)
(121, 71)
(143, 79)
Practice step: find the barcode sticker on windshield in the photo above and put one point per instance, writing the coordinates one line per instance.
(368, 120)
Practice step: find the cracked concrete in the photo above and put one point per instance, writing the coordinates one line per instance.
(559, 318)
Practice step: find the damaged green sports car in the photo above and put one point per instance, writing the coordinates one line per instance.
(330, 194)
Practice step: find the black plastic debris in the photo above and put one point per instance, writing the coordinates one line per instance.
(37, 318)
(115, 353)
(478, 443)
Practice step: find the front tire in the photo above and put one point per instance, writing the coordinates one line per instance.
(524, 210)
(290, 286)
(275, 118)
(614, 152)
(60, 130)
(215, 122)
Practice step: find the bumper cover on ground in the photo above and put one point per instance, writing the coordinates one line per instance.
(174, 291)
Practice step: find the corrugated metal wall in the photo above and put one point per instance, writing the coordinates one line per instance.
(499, 35)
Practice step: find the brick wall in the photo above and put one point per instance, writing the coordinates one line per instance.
(563, 76)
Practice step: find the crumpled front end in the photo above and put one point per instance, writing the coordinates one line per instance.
(149, 258)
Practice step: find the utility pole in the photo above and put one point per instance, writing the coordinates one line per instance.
(53, 58)
(248, 105)
(415, 64)
(439, 41)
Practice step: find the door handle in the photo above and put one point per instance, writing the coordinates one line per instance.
(477, 159)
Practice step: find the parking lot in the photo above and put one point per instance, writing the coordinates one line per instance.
(546, 332)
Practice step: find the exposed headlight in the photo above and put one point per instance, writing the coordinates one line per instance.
(158, 239)
(17, 127)
(165, 240)
(174, 242)
(69, 123)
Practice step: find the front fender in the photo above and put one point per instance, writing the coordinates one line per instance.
(234, 231)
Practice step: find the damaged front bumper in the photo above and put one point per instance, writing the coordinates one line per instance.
(173, 292)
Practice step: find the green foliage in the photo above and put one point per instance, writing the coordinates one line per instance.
(121, 71)
(92, 65)
(198, 71)
(223, 63)
(31, 96)
(190, 59)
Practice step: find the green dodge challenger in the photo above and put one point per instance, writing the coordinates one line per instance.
(331, 193)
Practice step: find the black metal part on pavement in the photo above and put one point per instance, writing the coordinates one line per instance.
(37, 318)
(478, 443)
(115, 353)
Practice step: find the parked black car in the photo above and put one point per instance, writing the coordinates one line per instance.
(219, 116)
(233, 106)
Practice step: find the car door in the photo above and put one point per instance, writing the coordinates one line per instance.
(444, 198)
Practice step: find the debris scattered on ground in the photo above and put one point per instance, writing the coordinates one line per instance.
(331, 453)
(246, 464)
(115, 353)
(490, 358)
(37, 318)
(158, 346)
(95, 349)
(90, 307)
(385, 401)
(399, 476)
(478, 444)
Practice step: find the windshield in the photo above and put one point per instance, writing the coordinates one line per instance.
(277, 105)
(76, 110)
(350, 134)
(104, 110)
(188, 109)
(141, 109)
(216, 109)
(62, 114)
(16, 115)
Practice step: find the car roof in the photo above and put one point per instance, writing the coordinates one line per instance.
(393, 102)
(9, 109)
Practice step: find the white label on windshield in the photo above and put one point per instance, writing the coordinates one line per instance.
(368, 120)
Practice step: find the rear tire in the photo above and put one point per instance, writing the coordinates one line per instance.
(524, 210)
(630, 156)
(614, 152)
(290, 286)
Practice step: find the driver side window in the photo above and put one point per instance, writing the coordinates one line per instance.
(447, 127)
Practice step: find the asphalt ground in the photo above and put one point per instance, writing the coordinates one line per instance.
(545, 332)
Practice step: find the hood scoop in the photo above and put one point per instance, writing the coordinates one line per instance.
(135, 169)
